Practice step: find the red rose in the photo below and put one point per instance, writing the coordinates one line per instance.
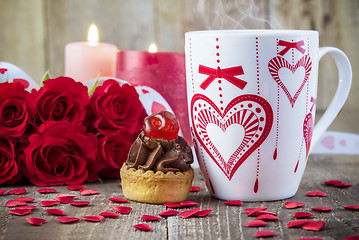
(113, 108)
(61, 99)
(61, 153)
(9, 171)
(112, 152)
(16, 109)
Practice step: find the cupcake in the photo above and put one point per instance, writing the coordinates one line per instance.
(158, 166)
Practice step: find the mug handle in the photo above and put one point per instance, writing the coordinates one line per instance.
(341, 94)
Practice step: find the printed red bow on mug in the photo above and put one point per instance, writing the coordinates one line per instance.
(289, 45)
(226, 73)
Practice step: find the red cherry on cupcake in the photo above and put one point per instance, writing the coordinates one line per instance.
(161, 125)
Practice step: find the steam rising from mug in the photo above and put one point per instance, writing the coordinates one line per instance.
(235, 14)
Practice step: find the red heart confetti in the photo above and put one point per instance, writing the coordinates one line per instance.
(150, 218)
(97, 218)
(20, 212)
(14, 203)
(257, 209)
(316, 194)
(174, 205)
(266, 212)
(122, 209)
(332, 182)
(167, 213)
(291, 205)
(109, 214)
(189, 204)
(314, 226)
(302, 214)
(255, 212)
(298, 223)
(67, 219)
(268, 217)
(143, 227)
(17, 191)
(31, 207)
(25, 199)
(80, 203)
(352, 207)
(234, 203)
(75, 187)
(195, 188)
(48, 203)
(64, 195)
(118, 200)
(2, 191)
(264, 233)
(322, 209)
(64, 200)
(55, 211)
(343, 184)
(203, 213)
(87, 192)
(46, 190)
(256, 223)
(35, 221)
(352, 237)
(189, 213)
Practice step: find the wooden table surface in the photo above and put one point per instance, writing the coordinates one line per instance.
(225, 222)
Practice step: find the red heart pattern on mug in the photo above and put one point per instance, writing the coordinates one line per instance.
(275, 64)
(308, 131)
(252, 114)
(3, 70)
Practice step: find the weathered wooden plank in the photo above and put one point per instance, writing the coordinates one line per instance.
(22, 38)
(225, 222)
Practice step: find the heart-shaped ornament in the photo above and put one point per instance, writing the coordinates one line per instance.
(275, 64)
(230, 136)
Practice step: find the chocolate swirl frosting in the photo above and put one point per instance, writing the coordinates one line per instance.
(160, 154)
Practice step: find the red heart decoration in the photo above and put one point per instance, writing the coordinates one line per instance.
(3, 70)
(308, 131)
(157, 107)
(253, 113)
(279, 62)
(23, 82)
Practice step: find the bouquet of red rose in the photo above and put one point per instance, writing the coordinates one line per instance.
(59, 135)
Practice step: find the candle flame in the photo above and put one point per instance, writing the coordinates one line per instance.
(92, 37)
(152, 48)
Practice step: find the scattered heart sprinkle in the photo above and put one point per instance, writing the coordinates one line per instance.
(234, 203)
(322, 209)
(17, 191)
(80, 203)
(150, 218)
(302, 214)
(118, 200)
(203, 213)
(46, 190)
(256, 223)
(109, 214)
(67, 219)
(143, 227)
(20, 212)
(189, 213)
(168, 213)
(55, 211)
(122, 209)
(48, 203)
(86, 192)
(97, 218)
(316, 194)
(264, 233)
(291, 205)
(75, 187)
(35, 221)
(314, 226)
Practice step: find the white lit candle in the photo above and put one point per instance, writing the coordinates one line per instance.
(87, 60)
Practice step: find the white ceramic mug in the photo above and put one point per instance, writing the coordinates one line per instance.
(251, 97)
